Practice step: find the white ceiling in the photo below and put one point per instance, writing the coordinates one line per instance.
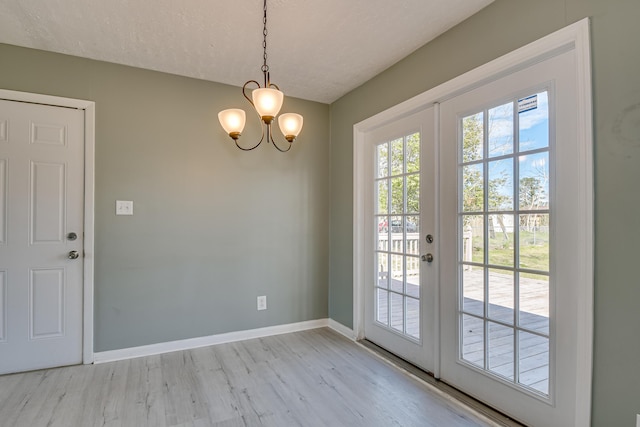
(318, 49)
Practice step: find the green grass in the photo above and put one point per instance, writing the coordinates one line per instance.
(534, 251)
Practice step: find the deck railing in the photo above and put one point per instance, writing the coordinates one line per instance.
(412, 249)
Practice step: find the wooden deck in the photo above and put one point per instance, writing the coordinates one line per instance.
(504, 342)
(528, 343)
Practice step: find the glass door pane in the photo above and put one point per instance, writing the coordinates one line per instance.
(397, 184)
(504, 217)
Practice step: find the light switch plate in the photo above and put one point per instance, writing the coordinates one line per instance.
(124, 207)
(262, 302)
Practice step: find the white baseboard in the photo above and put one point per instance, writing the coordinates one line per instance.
(191, 343)
(342, 330)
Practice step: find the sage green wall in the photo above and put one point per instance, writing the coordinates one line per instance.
(500, 28)
(214, 227)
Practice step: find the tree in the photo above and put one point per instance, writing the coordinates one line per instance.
(532, 193)
(395, 154)
(533, 197)
(472, 177)
(472, 183)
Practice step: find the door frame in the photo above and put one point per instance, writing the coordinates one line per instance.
(573, 37)
(89, 108)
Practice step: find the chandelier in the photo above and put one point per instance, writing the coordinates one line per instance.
(267, 101)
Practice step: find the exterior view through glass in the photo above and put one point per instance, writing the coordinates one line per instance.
(397, 227)
(504, 219)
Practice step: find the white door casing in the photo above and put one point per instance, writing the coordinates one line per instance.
(46, 192)
(575, 39)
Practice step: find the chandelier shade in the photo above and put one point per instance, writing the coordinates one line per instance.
(290, 125)
(267, 101)
(232, 121)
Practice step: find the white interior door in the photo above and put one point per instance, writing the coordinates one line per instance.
(511, 260)
(400, 213)
(41, 209)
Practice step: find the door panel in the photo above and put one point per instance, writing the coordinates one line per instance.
(3, 305)
(508, 252)
(4, 194)
(41, 202)
(47, 198)
(46, 303)
(400, 296)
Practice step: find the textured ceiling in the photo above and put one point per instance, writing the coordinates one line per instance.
(318, 49)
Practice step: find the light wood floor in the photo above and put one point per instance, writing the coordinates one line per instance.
(310, 378)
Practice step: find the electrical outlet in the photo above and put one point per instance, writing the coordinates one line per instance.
(124, 207)
(637, 420)
(262, 302)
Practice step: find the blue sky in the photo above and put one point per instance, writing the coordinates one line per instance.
(533, 134)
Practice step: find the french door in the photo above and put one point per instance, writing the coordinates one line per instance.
(509, 259)
(400, 296)
(473, 262)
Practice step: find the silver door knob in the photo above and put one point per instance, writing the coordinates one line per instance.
(427, 257)
(73, 254)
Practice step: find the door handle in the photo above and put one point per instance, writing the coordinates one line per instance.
(427, 257)
(73, 255)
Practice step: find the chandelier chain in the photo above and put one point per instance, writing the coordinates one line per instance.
(265, 67)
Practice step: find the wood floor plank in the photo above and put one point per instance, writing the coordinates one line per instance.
(36, 402)
(143, 404)
(311, 378)
(68, 394)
